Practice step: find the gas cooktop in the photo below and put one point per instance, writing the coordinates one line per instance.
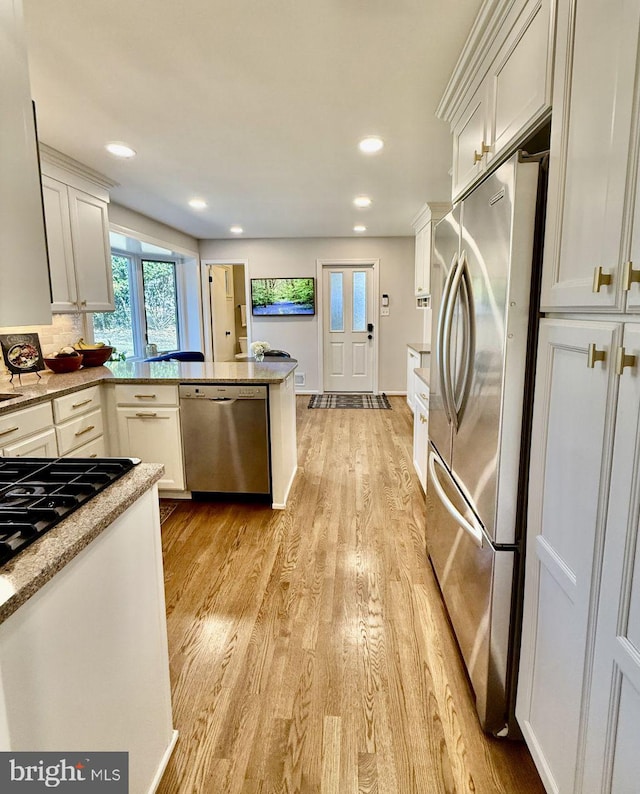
(37, 493)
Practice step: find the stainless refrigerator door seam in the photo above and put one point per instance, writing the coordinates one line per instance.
(474, 531)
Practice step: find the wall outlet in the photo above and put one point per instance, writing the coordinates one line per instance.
(384, 311)
(299, 378)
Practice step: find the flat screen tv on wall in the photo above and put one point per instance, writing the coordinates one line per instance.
(283, 297)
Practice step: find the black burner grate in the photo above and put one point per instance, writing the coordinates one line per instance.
(37, 493)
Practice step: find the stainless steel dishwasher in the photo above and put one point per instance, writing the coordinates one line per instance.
(225, 434)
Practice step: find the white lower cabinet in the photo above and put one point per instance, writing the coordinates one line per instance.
(29, 433)
(421, 434)
(580, 712)
(415, 360)
(153, 434)
(40, 445)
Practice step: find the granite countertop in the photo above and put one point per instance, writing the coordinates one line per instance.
(420, 347)
(23, 576)
(423, 373)
(32, 390)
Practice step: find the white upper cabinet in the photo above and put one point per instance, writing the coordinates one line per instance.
(594, 151)
(24, 280)
(500, 91)
(76, 212)
(423, 225)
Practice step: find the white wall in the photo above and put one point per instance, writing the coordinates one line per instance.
(299, 335)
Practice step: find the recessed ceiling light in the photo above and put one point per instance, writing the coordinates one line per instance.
(120, 149)
(359, 228)
(236, 229)
(197, 204)
(362, 201)
(371, 144)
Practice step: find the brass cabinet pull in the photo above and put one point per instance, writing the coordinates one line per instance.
(593, 355)
(477, 156)
(423, 421)
(83, 303)
(623, 360)
(84, 402)
(149, 414)
(94, 455)
(86, 430)
(629, 276)
(424, 396)
(145, 396)
(600, 279)
(10, 430)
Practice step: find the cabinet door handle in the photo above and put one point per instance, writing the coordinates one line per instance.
(424, 396)
(145, 396)
(423, 421)
(10, 430)
(600, 279)
(83, 303)
(150, 415)
(629, 276)
(84, 402)
(623, 360)
(477, 156)
(593, 355)
(87, 429)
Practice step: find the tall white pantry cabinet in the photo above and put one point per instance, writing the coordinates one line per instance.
(579, 687)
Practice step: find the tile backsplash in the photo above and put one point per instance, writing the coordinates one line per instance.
(64, 330)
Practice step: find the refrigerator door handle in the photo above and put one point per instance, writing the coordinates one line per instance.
(448, 393)
(469, 326)
(441, 360)
(474, 531)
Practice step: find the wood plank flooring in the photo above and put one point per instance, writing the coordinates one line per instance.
(309, 648)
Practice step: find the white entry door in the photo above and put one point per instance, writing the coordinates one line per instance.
(348, 323)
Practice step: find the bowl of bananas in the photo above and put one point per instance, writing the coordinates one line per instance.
(94, 355)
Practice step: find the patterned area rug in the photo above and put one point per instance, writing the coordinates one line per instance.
(349, 401)
(166, 508)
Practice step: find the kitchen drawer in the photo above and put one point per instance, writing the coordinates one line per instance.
(146, 394)
(78, 431)
(19, 424)
(94, 449)
(80, 402)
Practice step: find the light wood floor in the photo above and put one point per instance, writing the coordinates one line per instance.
(309, 647)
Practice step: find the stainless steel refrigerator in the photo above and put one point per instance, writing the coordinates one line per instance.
(485, 289)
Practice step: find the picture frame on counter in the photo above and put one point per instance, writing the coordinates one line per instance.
(22, 353)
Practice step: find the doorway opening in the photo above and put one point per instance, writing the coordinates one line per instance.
(227, 329)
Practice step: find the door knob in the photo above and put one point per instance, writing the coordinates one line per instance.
(369, 336)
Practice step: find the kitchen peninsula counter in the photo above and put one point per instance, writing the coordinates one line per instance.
(51, 385)
(25, 574)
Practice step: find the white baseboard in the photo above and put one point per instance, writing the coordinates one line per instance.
(163, 763)
(174, 494)
(307, 391)
(282, 505)
(394, 393)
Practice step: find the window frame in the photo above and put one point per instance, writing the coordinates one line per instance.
(138, 309)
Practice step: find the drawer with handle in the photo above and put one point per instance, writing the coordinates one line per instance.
(76, 432)
(146, 394)
(19, 424)
(94, 449)
(80, 402)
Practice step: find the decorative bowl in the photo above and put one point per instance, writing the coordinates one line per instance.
(95, 356)
(61, 364)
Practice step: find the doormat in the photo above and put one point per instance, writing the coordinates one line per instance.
(349, 401)
(166, 508)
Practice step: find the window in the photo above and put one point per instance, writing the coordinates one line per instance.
(146, 306)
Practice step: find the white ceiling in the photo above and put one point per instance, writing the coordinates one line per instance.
(256, 106)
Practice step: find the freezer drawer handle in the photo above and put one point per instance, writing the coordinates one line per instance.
(474, 531)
